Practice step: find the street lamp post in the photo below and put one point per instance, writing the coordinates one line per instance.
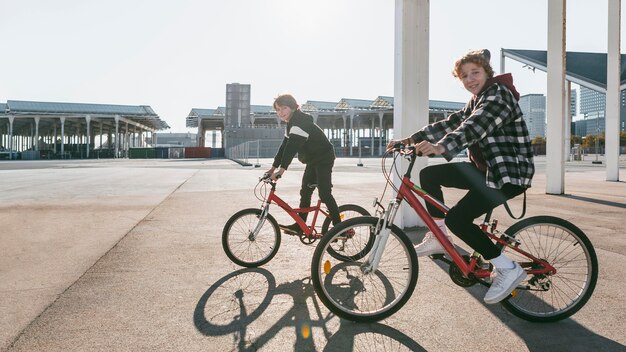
(597, 141)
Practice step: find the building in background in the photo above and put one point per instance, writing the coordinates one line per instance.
(573, 103)
(534, 109)
(593, 107)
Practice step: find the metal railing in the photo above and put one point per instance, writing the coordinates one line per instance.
(252, 151)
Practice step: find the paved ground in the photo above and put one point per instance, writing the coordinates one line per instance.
(126, 255)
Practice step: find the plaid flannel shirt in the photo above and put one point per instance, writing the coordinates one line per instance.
(493, 119)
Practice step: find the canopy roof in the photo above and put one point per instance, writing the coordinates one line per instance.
(142, 114)
(585, 69)
(214, 118)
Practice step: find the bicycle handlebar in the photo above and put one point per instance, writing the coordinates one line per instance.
(407, 149)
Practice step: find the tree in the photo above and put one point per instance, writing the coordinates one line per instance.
(576, 140)
(538, 140)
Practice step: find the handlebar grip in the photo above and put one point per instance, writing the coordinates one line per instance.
(429, 155)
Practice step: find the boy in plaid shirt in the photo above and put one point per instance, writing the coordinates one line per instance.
(501, 164)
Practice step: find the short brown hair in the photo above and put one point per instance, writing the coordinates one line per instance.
(286, 100)
(478, 57)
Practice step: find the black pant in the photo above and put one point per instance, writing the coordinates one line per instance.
(319, 174)
(478, 201)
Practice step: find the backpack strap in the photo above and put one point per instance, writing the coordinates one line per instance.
(508, 210)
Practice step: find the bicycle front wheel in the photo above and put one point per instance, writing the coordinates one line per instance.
(243, 246)
(564, 246)
(348, 289)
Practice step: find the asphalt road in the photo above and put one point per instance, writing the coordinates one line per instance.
(126, 255)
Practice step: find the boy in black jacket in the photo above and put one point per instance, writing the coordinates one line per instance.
(304, 137)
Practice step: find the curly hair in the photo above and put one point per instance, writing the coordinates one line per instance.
(478, 57)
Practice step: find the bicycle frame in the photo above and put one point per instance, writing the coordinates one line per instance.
(293, 212)
(410, 192)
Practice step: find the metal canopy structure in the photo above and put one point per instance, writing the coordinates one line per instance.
(213, 119)
(347, 118)
(583, 68)
(26, 125)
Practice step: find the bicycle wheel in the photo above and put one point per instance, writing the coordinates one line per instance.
(349, 248)
(244, 249)
(563, 245)
(350, 292)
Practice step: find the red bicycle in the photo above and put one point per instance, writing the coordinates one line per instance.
(560, 261)
(251, 237)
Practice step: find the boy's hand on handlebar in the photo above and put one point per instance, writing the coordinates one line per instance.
(399, 143)
(429, 149)
(278, 174)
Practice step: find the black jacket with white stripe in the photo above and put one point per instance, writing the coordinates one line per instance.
(304, 137)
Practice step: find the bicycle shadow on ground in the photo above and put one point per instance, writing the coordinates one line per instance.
(239, 299)
(538, 336)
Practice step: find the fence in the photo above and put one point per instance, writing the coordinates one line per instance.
(250, 152)
(253, 150)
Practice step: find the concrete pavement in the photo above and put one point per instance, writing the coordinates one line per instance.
(126, 255)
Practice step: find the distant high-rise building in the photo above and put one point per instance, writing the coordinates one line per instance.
(573, 102)
(534, 108)
(593, 106)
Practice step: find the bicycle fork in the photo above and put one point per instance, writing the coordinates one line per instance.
(262, 218)
(382, 231)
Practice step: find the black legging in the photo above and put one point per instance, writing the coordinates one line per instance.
(478, 201)
(319, 174)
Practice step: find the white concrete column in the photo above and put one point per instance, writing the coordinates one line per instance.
(345, 130)
(567, 148)
(11, 118)
(612, 118)
(351, 134)
(200, 136)
(117, 136)
(380, 133)
(101, 132)
(411, 64)
(555, 96)
(54, 141)
(372, 135)
(62, 119)
(88, 125)
(36, 146)
(126, 141)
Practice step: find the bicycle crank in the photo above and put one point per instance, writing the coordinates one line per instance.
(457, 275)
(307, 239)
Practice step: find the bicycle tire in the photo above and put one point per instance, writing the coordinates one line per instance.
(570, 252)
(243, 250)
(350, 293)
(349, 249)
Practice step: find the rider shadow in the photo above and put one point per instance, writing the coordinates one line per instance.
(237, 300)
(540, 336)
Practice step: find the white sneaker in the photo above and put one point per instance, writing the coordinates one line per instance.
(429, 246)
(504, 282)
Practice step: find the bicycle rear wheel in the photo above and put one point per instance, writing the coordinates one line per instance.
(563, 245)
(349, 247)
(350, 292)
(245, 249)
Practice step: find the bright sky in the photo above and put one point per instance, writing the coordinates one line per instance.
(176, 55)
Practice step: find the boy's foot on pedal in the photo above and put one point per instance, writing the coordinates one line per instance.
(504, 282)
(293, 229)
(430, 246)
